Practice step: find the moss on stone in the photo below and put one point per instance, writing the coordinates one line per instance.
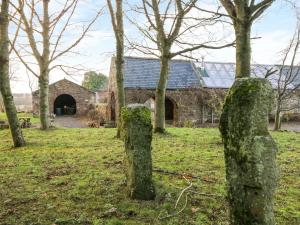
(137, 136)
(249, 151)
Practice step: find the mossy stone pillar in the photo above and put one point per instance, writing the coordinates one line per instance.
(250, 152)
(137, 135)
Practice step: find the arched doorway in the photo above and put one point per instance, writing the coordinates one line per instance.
(64, 105)
(112, 107)
(170, 110)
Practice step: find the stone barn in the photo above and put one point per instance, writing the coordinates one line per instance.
(184, 91)
(195, 90)
(66, 98)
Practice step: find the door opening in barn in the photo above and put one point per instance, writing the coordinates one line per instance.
(170, 110)
(64, 105)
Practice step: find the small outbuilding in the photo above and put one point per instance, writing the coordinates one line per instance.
(66, 98)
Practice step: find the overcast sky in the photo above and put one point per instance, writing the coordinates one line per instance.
(275, 28)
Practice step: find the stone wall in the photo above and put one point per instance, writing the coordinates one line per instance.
(82, 96)
(101, 96)
(186, 103)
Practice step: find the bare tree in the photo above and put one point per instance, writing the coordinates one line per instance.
(243, 13)
(117, 24)
(5, 88)
(288, 79)
(168, 23)
(45, 32)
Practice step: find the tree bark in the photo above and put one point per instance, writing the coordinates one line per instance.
(44, 69)
(277, 124)
(117, 23)
(121, 94)
(44, 100)
(8, 101)
(159, 125)
(243, 49)
(120, 63)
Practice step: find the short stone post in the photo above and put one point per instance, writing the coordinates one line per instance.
(250, 152)
(137, 135)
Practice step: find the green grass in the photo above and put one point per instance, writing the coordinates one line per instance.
(75, 176)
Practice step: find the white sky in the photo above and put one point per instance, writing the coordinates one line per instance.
(275, 28)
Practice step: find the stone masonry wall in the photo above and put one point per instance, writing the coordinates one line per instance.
(186, 103)
(82, 96)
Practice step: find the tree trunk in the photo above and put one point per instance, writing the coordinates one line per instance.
(243, 49)
(8, 101)
(120, 85)
(159, 125)
(44, 101)
(119, 33)
(277, 124)
(44, 69)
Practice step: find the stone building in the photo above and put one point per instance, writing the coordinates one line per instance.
(195, 90)
(185, 96)
(66, 98)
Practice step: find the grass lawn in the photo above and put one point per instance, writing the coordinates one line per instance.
(75, 176)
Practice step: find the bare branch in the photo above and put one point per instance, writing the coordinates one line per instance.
(75, 43)
(201, 46)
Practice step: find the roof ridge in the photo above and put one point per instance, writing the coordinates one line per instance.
(153, 58)
(65, 79)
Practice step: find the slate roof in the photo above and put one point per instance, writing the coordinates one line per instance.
(144, 73)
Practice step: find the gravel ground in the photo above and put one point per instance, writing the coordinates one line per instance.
(289, 126)
(75, 122)
(70, 122)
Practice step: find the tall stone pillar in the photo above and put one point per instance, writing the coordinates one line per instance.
(137, 136)
(250, 152)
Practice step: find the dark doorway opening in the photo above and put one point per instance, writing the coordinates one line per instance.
(113, 107)
(169, 110)
(64, 105)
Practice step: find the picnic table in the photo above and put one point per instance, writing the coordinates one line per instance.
(25, 122)
(3, 125)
